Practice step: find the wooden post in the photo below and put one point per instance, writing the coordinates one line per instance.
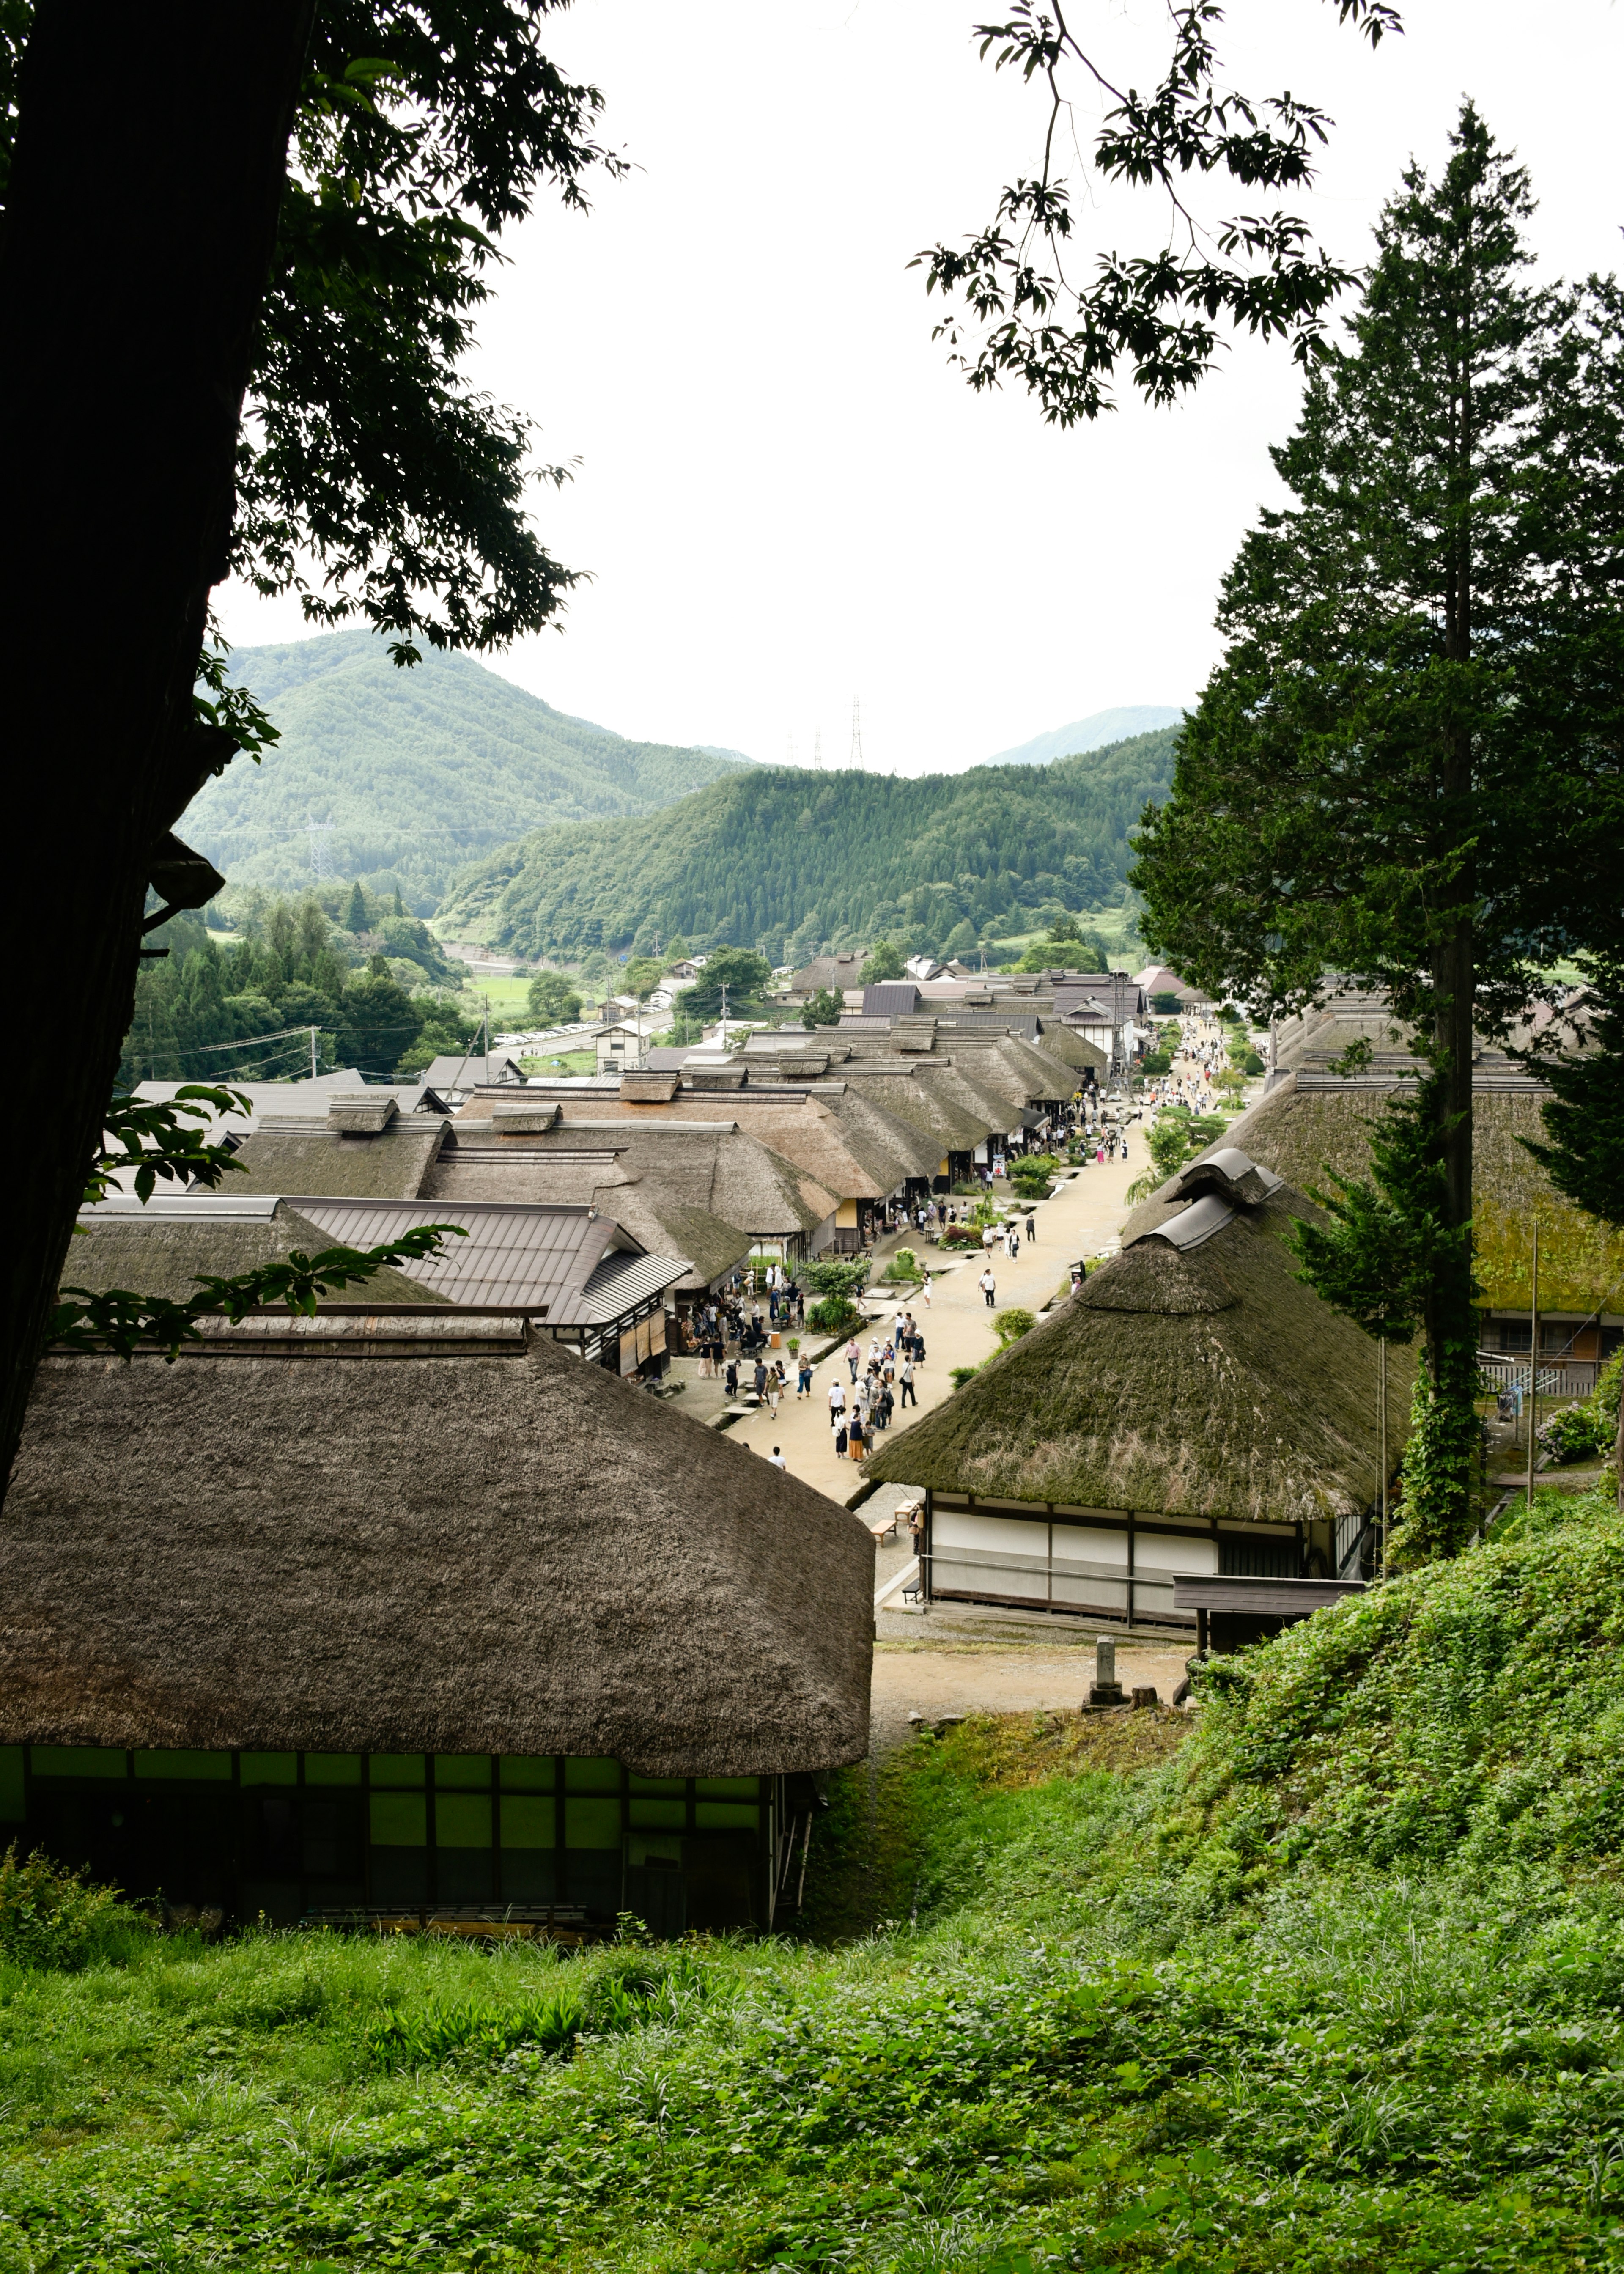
(1533, 1363)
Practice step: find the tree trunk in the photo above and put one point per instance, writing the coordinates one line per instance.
(140, 218)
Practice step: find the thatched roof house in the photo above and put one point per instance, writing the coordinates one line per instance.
(1312, 1121)
(167, 1244)
(1193, 1408)
(468, 1622)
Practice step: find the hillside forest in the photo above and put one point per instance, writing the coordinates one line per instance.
(370, 978)
(790, 864)
(416, 772)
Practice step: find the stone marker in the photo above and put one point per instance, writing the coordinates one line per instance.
(1105, 1689)
(1146, 1696)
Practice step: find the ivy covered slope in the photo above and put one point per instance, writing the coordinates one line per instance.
(418, 771)
(1468, 1717)
(1331, 1986)
(789, 861)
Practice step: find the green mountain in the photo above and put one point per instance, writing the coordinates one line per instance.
(789, 861)
(418, 770)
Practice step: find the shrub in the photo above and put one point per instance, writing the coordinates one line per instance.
(1253, 1066)
(959, 1235)
(1165, 1003)
(792, 1344)
(833, 1275)
(834, 1315)
(1009, 1326)
(49, 1917)
(903, 1265)
(1156, 1062)
(959, 1375)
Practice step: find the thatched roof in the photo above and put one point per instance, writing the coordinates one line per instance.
(1202, 1379)
(799, 1129)
(704, 1191)
(295, 1551)
(915, 1093)
(1310, 1123)
(300, 1155)
(165, 1248)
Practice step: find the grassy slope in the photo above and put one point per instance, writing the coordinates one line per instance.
(756, 857)
(1040, 2049)
(420, 771)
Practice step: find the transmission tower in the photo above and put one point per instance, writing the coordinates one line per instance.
(857, 756)
(318, 832)
(817, 747)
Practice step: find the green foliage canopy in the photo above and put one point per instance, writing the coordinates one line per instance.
(743, 861)
(1405, 766)
(552, 1001)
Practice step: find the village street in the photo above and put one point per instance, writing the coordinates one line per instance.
(968, 1658)
(1083, 1218)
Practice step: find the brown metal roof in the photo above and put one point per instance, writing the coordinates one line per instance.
(529, 1253)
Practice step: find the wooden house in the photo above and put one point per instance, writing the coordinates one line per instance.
(390, 1619)
(1193, 1409)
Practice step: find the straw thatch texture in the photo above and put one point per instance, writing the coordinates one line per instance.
(308, 1156)
(1298, 1132)
(1209, 1384)
(164, 1253)
(446, 1553)
(706, 1192)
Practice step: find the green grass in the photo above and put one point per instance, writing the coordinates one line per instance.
(1038, 2019)
(507, 998)
(569, 1062)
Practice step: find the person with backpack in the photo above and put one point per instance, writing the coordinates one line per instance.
(906, 1383)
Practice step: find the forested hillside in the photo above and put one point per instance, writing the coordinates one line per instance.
(787, 863)
(418, 770)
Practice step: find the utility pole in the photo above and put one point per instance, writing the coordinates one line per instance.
(1533, 1363)
(817, 750)
(313, 1054)
(1383, 1405)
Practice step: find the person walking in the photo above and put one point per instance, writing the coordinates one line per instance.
(778, 1458)
(904, 1380)
(854, 1356)
(804, 1387)
(758, 1380)
(989, 1286)
(837, 1402)
(925, 1291)
(1032, 1227)
(775, 1388)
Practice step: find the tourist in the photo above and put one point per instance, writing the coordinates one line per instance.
(989, 1286)
(1032, 1227)
(732, 1384)
(778, 1458)
(905, 1383)
(925, 1291)
(804, 1378)
(840, 1443)
(837, 1402)
(857, 1437)
(758, 1380)
(854, 1357)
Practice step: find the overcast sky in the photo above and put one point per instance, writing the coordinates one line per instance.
(784, 495)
